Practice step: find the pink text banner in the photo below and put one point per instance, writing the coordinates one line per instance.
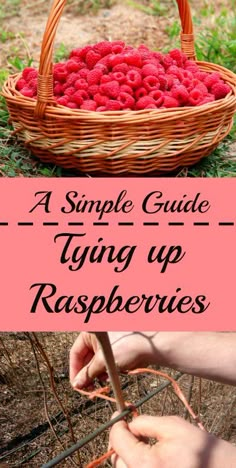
(117, 254)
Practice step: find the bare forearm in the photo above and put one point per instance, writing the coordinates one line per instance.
(206, 354)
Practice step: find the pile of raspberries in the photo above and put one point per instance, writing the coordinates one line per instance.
(111, 76)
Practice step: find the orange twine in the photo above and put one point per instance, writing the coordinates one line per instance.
(100, 394)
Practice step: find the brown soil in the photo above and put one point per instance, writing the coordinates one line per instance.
(119, 22)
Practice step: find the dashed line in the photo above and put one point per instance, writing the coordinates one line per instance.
(50, 224)
(101, 223)
(125, 224)
(151, 223)
(176, 223)
(75, 224)
(121, 223)
(201, 224)
(226, 223)
(25, 223)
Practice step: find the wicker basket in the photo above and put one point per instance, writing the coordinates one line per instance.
(118, 142)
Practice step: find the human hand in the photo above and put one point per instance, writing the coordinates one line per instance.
(131, 349)
(180, 445)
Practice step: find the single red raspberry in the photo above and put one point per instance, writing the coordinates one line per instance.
(80, 96)
(93, 89)
(186, 74)
(89, 105)
(110, 89)
(150, 69)
(32, 75)
(60, 74)
(113, 105)
(84, 73)
(176, 71)
(178, 56)
(165, 81)
(211, 79)
(207, 99)
(169, 102)
(121, 67)
(92, 58)
(71, 79)
(105, 61)
(119, 77)
(126, 89)
(80, 64)
(57, 90)
(76, 52)
(21, 83)
(63, 100)
(103, 48)
(151, 83)
(220, 90)
(72, 105)
(133, 79)
(26, 72)
(157, 96)
(188, 83)
(27, 92)
(94, 76)
(167, 61)
(33, 84)
(154, 62)
(102, 67)
(72, 66)
(133, 58)
(151, 106)
(191, 66)
(101, 109)
(144, 102)
(195, 97)
(180, 93)
(202, 88)
(100, 99)
(115, 59)
(140, 92)
(158, 56)
(69, 91)
(126, 100)
(106, 79)
(117, 49)
(144, 51)
(81, 83)
(200, 75)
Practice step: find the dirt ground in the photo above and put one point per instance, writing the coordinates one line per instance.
(119, 22)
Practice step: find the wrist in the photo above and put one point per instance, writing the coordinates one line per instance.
(171, 349)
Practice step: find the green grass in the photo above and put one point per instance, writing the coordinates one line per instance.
(154, 8)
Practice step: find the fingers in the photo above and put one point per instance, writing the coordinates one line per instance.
(165, 427)
(78, 354)
(94, 368)
(126, 446)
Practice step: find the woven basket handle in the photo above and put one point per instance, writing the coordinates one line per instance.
(45, 78)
